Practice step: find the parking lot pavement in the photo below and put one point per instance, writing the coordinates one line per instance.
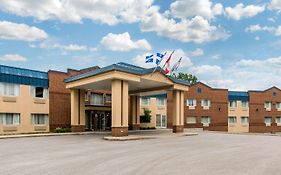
(207, 153)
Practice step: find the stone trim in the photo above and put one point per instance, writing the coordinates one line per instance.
(178, 128)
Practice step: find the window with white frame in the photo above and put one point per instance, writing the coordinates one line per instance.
(190, 120)
(145, 101)
(97, 99)
(232, 119)
(108, 98)
(232, 104)
(191, 102)
(161, 101)
(39, 92)
(205, 120)
(278, 105)
(10, 118)
(39, 119)
(278, 120)
(268, 120)
(244, 120)
(245, 104)
(267, 105)
(206, 103)
(9, 89)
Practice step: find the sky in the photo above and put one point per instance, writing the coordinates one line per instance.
(226, 44)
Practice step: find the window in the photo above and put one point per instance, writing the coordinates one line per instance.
(244, 120)
(161, 101)
(108, 98)
(278, 105)
(9, 119)
(191, 120)
(96, 99)
(191, 102)
(9, 89)
(38, 92)
(274, 94)
(39, 119)
(278, 120)
(144, 101)
(205, 120)
(245, 104)
(267, 121)
(232, 104)
(267, 105)
(199, 90)
(206, 103)
(232, 120)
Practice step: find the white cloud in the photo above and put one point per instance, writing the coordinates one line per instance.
(15, 31)
(271, 20)
(191, 8)
(12, 57)
(123, 42)
(256, 28)
(206, 69)
(197, 29)
(110, 12)
(197, 52)
(240, 11)
(275, 5)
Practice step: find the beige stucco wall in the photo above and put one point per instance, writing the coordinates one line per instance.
(154, 110)
(26, 105)
(238, 112)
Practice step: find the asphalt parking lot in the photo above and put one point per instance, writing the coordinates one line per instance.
(206, 153)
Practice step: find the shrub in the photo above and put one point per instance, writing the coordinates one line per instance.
(147, 128)
(62, 130)
(146, 118)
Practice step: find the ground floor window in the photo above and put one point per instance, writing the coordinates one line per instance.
(278, 120)
(9, 119)
(244, 120)
(161, 121)
(39, 119)
(190, 120)
(268, 121)
(205, 120)
(232, 120)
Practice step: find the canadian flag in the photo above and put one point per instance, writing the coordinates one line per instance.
(167, 65)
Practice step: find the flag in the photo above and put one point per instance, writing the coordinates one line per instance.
(167, 65)
(159, 58)
(149, 59)
(176, 65)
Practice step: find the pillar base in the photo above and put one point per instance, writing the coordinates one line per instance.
(77, 128)
(178, 128)
(135, 126)
(119, 131)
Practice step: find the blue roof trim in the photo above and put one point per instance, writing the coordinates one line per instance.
(23, 76)
(123, 67)
(238, 96)
(155, 96)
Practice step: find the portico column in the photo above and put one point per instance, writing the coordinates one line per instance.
(178, 111)
(120, 97)
(77, 110)
(135, 101)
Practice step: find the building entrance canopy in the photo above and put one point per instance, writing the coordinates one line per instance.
(125, 80)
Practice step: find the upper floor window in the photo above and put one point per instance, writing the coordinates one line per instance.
(267, 105)
(232, 120)
(39, 119)
(274, 94)
(199, 90)
(191, 102)
(10, 118)
(206, 104)
(245, 104)
(278, 106)
(145, 101)
(232, 104)
(38, 92)
(108, 98)
(96, 99)
(161, 101)
(9, 89)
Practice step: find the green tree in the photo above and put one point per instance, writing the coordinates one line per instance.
(186, 77)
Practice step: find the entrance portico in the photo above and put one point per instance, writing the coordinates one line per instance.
(127, 83)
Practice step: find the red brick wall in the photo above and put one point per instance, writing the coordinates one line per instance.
(258, 112)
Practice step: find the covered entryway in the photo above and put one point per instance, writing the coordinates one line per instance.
(127, 83)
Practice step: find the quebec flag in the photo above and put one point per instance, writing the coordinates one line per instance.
(159, 58)
(149, 59)
(152, 58)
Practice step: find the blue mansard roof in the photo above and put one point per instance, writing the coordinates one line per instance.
(23, 76)
(238, 95)
(123, 67)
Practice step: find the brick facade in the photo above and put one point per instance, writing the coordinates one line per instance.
(258, 111)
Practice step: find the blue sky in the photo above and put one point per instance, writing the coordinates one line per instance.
(226, 44)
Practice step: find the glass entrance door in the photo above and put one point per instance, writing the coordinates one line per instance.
(161, 121)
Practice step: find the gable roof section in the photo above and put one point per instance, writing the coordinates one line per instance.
(23, 76)
(203, 84)
(273, 87)
(127, 68)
